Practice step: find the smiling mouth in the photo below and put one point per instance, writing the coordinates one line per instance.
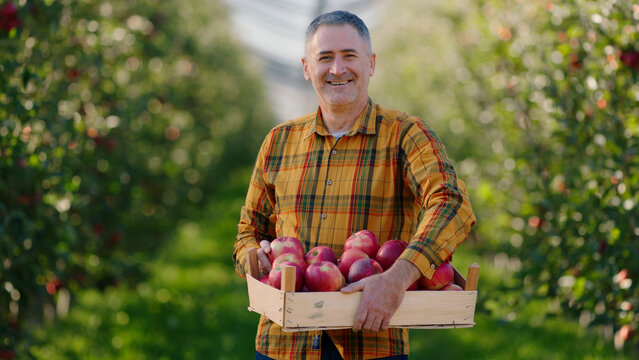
(339, 83)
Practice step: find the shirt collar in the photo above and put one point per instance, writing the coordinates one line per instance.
(365, 123)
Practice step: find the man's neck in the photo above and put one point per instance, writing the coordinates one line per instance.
(341, 119)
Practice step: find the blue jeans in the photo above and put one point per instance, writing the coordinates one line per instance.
(330, 352)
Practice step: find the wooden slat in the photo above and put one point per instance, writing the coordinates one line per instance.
(435, 307)
(423, 308)
(266, 300)
(321, 309)
(288, 278)
(436, 326)
(254, 269)
(473, 277)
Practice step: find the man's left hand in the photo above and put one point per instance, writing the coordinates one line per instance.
(381, 295)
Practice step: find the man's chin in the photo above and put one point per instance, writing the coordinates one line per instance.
(339, 100)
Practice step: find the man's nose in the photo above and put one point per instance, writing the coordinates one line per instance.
(338, 68)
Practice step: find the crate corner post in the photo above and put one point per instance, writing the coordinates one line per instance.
(473, 277)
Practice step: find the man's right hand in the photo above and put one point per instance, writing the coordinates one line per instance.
(262, 257)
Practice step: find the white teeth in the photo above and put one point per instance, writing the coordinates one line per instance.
(339, 82)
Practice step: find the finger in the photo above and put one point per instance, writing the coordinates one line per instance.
(263, 259)
(353, 287)
(372, 324)
(266, 246)
(385, 324)
(359, 319)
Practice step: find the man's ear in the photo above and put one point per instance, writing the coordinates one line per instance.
(307, 77)
(372, 62)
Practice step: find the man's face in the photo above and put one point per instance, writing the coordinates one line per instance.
(339, 64)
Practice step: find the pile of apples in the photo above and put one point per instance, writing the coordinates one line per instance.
(320, 270)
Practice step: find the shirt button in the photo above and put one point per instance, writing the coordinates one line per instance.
(432, 266)
(323, 216)
(329, 182)
(334, 152)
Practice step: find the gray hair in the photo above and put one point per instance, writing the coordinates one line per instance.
(339, 17)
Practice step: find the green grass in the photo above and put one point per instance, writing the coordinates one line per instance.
(194, 306)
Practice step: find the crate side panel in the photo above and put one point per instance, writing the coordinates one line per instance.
(425, 309)
(266, 300)
(321, 309)
(435, 307)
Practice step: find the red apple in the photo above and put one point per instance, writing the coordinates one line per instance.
(6, 354)
(73, 75)
(323, 276)
(622, 275)
(54, 285)
(452, 287)
(285, 244)
(363, 268)
(389, 252)
(320, 253)
(414, 286)
(8, 10)
(442, 276)
(275, 276)
(9, 16)
(626, 332)
(348, 258)
(24, 199)
(292, 257)
(364, 240)
(264, 279)
(630, 58)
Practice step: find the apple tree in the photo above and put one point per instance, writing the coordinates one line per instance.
(118, 120)
(537, 104)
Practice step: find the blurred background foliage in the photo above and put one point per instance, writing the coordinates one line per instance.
(120, 120)
(536, 102)
(117, 120)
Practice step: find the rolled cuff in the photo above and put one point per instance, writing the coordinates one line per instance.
(427, 264)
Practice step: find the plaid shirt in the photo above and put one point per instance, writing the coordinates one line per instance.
(389, 174)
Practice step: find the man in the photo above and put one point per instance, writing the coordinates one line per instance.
(349, 166)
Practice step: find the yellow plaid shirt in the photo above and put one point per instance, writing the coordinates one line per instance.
(389, 174)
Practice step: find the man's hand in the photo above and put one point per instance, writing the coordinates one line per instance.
(381, 295)
(262, 257)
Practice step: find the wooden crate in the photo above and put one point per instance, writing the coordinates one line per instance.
(303, 311)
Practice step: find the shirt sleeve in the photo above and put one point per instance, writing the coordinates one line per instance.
(257, 217)
(445, 214)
